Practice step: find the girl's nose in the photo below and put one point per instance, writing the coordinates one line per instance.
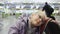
(38, 21)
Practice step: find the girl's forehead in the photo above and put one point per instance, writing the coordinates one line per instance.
(35, 16)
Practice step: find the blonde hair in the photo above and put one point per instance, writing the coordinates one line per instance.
(41, 13)
(37, 14)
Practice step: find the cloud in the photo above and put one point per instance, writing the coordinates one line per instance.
(40, 1)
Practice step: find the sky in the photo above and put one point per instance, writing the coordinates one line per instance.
(29, 1)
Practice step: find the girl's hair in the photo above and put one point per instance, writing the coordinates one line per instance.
(41, 14)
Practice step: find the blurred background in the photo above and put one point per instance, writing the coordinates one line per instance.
(10, 10)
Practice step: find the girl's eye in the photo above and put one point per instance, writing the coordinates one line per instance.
(39, 16)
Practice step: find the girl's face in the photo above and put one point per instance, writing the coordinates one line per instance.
(36, 20)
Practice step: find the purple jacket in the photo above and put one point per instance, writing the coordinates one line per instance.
(20, 26)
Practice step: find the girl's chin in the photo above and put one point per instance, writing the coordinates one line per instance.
(37, 24)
